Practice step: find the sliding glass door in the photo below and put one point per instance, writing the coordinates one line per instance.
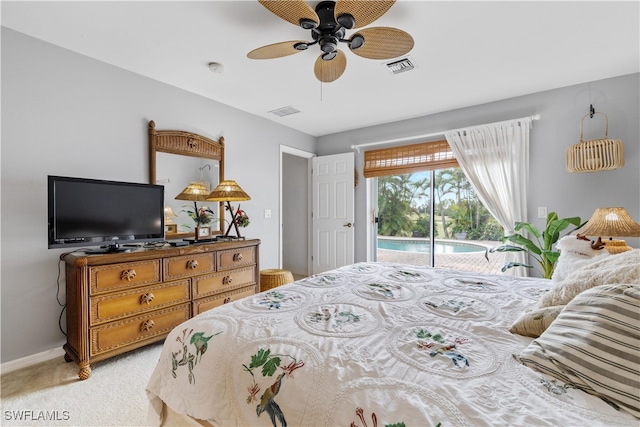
(433, 218)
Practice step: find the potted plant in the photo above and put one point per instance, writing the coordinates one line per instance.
(541, 244)
(201, 216)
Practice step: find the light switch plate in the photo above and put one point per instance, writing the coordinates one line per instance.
(542, 212)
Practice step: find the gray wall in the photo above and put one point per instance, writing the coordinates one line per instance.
(67, 114)
(550, 184)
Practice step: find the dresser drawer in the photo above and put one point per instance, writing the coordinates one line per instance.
(188, 265)
(112, 336)
(204, 304)
(106, 278)
(219, 282)
(234, 258)
(128, 303)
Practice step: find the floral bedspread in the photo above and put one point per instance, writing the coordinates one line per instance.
(370, 344)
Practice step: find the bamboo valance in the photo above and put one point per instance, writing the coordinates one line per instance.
(408, 158)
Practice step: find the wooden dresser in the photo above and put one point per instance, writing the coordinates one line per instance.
(118, 302)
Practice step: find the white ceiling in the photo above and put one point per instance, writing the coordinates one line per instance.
(467, 53)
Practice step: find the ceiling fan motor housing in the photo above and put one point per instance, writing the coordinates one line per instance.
(329, 32)
(328, 44)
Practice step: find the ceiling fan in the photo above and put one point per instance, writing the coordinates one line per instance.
(328, 25)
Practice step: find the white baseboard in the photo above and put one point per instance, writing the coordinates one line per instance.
(25, 362)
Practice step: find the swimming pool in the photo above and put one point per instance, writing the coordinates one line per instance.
(422, 245)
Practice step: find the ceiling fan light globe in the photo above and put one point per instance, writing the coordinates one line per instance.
(356, 42)
(346, 20)
(308, 24)
(329, 44)
(329, 56)
(301, 46)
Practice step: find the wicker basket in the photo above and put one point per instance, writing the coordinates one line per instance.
(273, 278)
(595, 155)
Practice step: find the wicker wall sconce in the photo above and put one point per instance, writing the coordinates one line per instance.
(595, 155)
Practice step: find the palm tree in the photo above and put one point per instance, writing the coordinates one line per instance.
(397, 197)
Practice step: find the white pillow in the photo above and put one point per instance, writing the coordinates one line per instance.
(575, 252)
(620, 268)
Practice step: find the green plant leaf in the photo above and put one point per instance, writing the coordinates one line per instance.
(519, 239)
(552, 256)
(530, 228)
(509, 265)
(270, 366)
(554, 227)
(423, 333)
(507, 248)
(259, 358)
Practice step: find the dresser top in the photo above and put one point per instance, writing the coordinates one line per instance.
(80, 258)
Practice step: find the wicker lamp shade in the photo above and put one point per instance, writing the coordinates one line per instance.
(596, 154)
(228, 191)
(611, 222)
(169, 215)
(197, 191)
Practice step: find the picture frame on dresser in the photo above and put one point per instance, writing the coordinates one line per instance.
(203, 233)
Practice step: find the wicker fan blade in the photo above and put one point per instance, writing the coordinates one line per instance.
(292, 11)
(328, 71)
(363, 12)
(276, 50)
(383, 43)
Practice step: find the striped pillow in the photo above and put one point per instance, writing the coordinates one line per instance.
(594, 344)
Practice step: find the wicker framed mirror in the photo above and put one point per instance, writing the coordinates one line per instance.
(177, 158)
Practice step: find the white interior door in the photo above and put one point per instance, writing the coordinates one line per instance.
(332, 211)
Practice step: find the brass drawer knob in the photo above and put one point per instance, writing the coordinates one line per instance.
(147, 325)
(192, 264)
(227, 300)
(237, 257)
(227, 280)
(146, 298)
(128, 275)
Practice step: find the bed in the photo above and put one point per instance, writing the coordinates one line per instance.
(375, 344)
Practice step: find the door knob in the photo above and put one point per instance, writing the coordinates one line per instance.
(349, 225)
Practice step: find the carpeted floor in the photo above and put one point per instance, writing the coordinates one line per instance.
(50, 394)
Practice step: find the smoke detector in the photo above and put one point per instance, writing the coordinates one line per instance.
(216, 67)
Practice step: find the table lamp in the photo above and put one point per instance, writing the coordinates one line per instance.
(229, 191)
(611, 222)
(196, 191)
(169, 225)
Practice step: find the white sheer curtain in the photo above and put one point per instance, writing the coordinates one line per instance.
(495, 159)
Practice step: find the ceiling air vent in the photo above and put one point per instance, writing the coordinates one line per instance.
(284, 111)
(400, 66)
